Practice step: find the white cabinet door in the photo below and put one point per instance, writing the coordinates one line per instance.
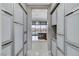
(72, 51)
(54, 18)
(72, 27)
(54, 48)
(7, 7)
(60, 19)
(69, 7)
(7, 50)
(18, 13)
(18, 37)
(60, 42)
(7, 22)
(59, 53)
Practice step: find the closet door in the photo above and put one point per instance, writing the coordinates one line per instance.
(60, 19)
(6, 13)
(18, 37)
(72, 28)
(7, 23)
(72, 32)
(18, 28)
(60, 28)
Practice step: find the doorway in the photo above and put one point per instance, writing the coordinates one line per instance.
(39, 32)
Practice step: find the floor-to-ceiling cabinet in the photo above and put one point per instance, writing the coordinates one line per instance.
(67, 34)
(13, 33)
(72, 29)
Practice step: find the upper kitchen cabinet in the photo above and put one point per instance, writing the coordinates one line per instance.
(71, 7)
(60, 19)
(54, 18)
(18, 13)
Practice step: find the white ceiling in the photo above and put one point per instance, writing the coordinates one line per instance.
(39, 4)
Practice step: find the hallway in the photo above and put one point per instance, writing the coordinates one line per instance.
(39, 29)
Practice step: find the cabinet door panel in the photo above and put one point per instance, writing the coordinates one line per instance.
(18, 13)
(7, 21)
(72, 51)
(60, 19)
(60, 42)
(18, 37)
(72, 27)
